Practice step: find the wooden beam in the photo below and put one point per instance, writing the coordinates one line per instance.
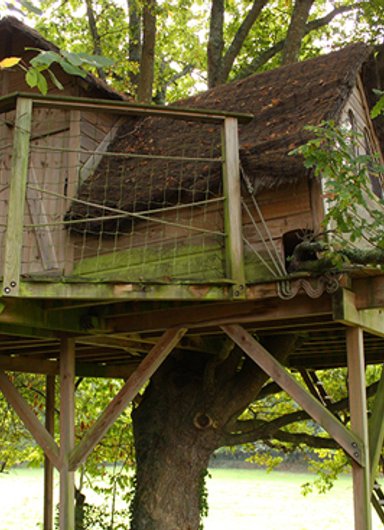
(93, 161)
(350, 442)
(369, 292)
(16, 202)
(232, 207)
(376, 429)
(141, 375)
(208, 315)
(31, 422)
(37, 209)
(30, 365)
(345, 312)
(359, 425)
(67, 434)
(48, 467)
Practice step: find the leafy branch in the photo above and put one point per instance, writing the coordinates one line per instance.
(354, 213)
(39, 69)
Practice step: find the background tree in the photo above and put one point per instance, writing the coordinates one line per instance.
(197, 44)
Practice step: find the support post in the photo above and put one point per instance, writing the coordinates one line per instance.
(348, 440)
(16, 204)
(359, 425)
(232, 213)
(48, 467)
(67, 433)
(376, 429)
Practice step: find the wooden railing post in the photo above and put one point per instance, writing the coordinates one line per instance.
(16, 203)
(359, 426)
(232, 212)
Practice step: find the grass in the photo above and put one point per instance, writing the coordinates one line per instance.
(239, 499)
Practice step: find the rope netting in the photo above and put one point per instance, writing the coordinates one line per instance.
(112, 198)
(262, 245)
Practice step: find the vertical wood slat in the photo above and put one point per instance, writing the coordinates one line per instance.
(67, 433)
(17, 190)
(376, 429)
(232, 206)
(359, 426)
(73, 177)
(48, 467)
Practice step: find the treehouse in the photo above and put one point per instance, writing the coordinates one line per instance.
(128, 230)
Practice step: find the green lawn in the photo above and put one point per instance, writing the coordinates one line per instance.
(239, 500)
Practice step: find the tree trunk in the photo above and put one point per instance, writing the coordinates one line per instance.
(188, 411)
(215, 42)
(144, 92)
(134, 48)
(296, 31)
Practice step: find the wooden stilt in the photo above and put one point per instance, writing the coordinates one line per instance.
(359, 425)
(67, 433)
(48, 467)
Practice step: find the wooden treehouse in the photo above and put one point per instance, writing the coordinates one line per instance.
(128, 231)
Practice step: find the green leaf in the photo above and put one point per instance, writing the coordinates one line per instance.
(378, 108)
(72, 69)
(42, 84)
(45, 59)
(55, 81)
(31, 77)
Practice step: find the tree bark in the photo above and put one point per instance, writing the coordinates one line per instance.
(186, 413)
(96, 40)
(215, 42)
(296, 31)
(147, 63)
(134, 48)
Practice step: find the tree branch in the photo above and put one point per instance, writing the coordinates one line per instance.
(313, 25)
(296, 31)
(238, 41)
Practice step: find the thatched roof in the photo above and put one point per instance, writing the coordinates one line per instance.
(15, 36)
(283, 101)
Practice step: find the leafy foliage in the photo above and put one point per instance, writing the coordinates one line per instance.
(353, 212)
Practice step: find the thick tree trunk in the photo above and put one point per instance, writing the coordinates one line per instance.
(189, 410)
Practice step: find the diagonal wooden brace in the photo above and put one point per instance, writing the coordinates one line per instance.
(346, 439)
(31, 422)
(140, 376)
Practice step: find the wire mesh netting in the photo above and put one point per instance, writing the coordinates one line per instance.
(122, 198)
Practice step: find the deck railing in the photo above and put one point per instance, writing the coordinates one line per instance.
(105, 191)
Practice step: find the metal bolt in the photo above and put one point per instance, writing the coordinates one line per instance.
(13, 284)
(356, 454)
(354, 445)
(7, 290)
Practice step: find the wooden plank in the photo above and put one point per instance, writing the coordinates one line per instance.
(72, 184)
(27, 364)
(38, 213)
(350, 442)
(207, 315)
(345, 311)
(31, 422)
(93, 161)
(67, 434)
(16, 206)
(232, 207)
(369, 292)
(376, 429)
(359, 426)
(141, 375)
(48, 467)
